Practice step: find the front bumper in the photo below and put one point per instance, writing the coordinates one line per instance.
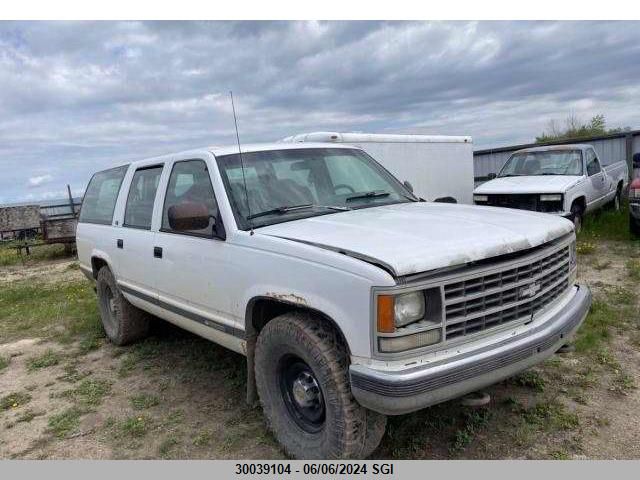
(395, 393)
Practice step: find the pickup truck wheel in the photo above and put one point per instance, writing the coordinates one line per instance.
(303, 383)
(576, 215)
(617, 200)
(123, 323)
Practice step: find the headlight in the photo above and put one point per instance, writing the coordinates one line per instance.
(408, 308)
(551, 197)
(406, 321)
(397, 311)
(480, 198)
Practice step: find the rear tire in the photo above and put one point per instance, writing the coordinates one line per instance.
(123, 323)
(617, 200)
(576, 215)
(303, 382)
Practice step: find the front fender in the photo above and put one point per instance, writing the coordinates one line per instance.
(349, 312)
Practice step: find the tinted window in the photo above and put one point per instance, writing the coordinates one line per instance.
(142, 195)
(593, 166)
(100, 198)
(190, 183)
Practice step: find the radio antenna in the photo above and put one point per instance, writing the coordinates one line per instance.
(244, 178)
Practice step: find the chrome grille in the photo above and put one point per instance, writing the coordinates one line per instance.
(513, 294)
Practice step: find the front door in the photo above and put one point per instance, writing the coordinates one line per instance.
(191, 277)
(596, 185)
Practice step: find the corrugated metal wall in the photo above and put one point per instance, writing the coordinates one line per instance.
(610, 150)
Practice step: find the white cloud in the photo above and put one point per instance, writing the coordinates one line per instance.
(39, 180)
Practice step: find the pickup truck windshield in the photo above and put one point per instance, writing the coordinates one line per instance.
(565, 162)
(290, 184)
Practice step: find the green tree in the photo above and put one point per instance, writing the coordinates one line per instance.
(574, 128)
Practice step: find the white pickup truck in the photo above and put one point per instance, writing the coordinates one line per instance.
(566, 180)
(350, 298)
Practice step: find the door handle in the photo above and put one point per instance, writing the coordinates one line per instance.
(119, 243)
(157, 252)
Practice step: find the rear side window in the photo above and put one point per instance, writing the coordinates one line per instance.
(100, 198)
(142, 195)
(190, 183)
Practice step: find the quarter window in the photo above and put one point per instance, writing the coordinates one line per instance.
(190, 183)
(142, 195)
(100, 197)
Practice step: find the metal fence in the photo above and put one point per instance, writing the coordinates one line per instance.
(610, 149)
(61, 210)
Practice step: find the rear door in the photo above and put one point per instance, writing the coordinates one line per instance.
(135, 253)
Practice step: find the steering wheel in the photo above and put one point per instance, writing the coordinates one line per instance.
(344, 185)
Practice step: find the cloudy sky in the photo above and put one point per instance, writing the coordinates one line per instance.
(78, 97)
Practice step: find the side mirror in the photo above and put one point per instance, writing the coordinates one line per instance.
(446, 200)
(188, 216)
(491, 176)
(408, 186)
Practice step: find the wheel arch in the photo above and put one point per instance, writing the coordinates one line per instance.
(259, 312)
(97, 262)
(580, 200)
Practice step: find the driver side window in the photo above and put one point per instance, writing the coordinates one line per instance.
(190, 183)
(593, 165)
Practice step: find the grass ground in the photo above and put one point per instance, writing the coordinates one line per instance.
(67, 393)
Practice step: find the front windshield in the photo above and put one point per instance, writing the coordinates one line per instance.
(316, 180)
(564, 162)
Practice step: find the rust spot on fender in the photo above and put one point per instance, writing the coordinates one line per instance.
(288, 297)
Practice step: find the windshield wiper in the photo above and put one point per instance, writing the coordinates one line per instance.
(512, 175)
(292, 208)
(371, 194)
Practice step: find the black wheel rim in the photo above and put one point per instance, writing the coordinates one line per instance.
(301, 393)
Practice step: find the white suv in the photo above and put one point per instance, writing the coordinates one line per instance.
(350, 297)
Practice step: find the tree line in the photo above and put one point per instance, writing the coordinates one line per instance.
(574, 128)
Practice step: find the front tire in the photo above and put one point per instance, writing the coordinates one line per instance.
(303, 383)
(123, 323)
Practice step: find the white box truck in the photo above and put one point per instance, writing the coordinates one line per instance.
(437, 166)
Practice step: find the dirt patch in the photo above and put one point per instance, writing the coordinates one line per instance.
(51, 272)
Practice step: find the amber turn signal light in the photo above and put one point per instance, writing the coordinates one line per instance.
(386, 314)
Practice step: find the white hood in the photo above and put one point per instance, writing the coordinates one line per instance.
(529, 184)
(418, 237)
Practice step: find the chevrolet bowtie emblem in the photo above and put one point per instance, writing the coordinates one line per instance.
(529, 290)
